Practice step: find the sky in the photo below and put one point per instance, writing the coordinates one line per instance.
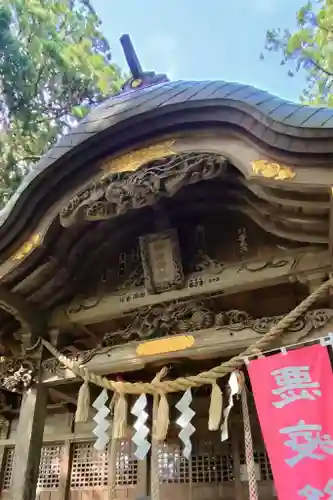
(204, 39)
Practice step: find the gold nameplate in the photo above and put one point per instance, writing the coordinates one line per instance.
(162, 346)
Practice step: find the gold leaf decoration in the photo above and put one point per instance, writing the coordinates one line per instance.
(272, 170)
(130, 162)
(33, 242)
(136, 83)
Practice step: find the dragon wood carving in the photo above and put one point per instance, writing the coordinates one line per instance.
(118, 193)
(181, 317)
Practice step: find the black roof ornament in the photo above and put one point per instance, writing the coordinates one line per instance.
(139, 77)
(131, 56)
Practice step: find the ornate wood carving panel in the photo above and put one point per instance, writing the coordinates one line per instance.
(119, 193)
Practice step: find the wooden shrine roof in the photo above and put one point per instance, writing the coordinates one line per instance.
(46, 261)
(302, 133)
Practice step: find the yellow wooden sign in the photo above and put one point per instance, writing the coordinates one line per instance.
(162, 346)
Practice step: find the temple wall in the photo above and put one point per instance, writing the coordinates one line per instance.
(70, 468)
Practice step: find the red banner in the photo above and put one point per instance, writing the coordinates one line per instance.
(293, 393)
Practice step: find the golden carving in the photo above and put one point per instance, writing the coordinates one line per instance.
(161, 346)
(271, 170)
(33, 242)
(130, 162)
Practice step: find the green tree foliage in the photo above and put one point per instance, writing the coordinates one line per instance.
(310, 49)
(54, 65)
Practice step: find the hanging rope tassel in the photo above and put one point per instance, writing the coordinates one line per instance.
(160, 429)
(249, 455)
(215, 408)
(112, 468)
(162, 419)
(83, 403)
(119, 426)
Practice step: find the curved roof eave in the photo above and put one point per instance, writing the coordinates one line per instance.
(122, 113)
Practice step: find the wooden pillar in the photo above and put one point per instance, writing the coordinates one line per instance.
(239, 492)
(65, 465)
(28, 443)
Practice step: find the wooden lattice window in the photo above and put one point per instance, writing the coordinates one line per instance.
(211, 462)
(8, 469)
(89, 467)
(172, 467)
(126, 465)
(49, 468)
(208, 464)
(264, 471)
(208, 468)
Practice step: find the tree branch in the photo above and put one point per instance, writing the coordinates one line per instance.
(320, 68)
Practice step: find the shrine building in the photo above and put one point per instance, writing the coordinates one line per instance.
(171, 230)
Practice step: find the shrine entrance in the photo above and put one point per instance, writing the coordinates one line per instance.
(74, 470)
(216, 470)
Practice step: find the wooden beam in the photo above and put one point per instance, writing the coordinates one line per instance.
(210, 343)
(59, 437)
(32, 320)
(52, 407)
(330, 232)
(237, 277)
(28, 443)
(65, 398)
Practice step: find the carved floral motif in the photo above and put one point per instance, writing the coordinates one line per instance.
(118, 193)
(16, 374)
